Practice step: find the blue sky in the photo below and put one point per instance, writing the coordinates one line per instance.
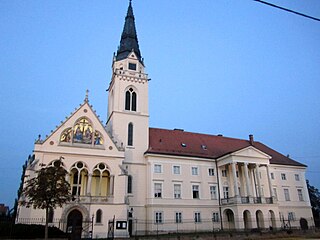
(224, 66)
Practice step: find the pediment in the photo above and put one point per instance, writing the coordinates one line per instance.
(251, 152)
(80, 132)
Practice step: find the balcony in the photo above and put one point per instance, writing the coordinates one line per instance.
(247, 200)
(92, 199)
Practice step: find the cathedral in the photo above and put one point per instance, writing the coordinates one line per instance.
(130, 179)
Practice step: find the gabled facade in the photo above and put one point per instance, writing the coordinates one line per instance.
(127, 178)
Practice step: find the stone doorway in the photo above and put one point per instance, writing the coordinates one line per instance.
(74, 225)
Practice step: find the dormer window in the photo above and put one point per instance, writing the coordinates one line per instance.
(131, 100)
(132, 66)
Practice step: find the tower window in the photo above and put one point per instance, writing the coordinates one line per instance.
(130, 134)
(132, 66)
(131, 100)
(129, 190)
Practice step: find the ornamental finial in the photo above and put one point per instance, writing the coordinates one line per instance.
(87, 96)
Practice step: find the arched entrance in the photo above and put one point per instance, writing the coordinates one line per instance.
(259, 218)
(272, 220)
(229, 219)
(247, 219)
(74, 224)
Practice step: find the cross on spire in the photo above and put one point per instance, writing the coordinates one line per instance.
(87, 96)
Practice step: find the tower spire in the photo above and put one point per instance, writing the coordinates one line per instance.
(129, 39)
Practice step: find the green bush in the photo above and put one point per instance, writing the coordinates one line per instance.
(28, 231)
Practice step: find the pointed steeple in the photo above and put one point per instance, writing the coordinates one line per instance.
(129, 39)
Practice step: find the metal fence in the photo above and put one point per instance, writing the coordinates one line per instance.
(138, 227)
(141, 227)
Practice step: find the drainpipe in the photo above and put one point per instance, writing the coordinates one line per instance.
(219, 198)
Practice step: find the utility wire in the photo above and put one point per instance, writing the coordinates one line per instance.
(288, 10)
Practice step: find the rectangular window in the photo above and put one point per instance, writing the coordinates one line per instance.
(224, 173)
(197, 217)
(297, 177)
(286, 194)
(157, 168)
(237, 174)
(283, 176)
(178, 217)
(194, 170)
(129, 187)
(176, 170)
(272, 175)
(132, 66)
(215, 217)
(211, 171)
(225, 192)
(291, 216)
(158, 218)
(177, 191)
(275, 193)
(195, 191)
(300, 194)
(213, 192)
(157, 190)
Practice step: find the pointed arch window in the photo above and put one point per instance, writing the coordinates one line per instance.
(82, 132)
(101, 181)
(130, 134)
(79, 179)
(131, 100)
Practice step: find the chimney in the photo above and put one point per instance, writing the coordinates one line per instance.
(251, 139)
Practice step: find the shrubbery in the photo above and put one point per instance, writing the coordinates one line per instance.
(26, 231)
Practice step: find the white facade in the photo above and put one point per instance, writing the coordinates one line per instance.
(116, 172)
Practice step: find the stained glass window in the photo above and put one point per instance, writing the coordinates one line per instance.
(66, 135)
(82, 131)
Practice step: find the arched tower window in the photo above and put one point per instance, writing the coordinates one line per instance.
(131, 100)
(130, 134)
(98, 216)
(129, 190)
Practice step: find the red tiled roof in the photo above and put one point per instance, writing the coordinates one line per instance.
(181, 143)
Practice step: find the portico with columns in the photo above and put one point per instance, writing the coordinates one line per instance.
(246, 191)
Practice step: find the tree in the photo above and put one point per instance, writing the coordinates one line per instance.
(314, 195)
(19, 192)
(48, 189)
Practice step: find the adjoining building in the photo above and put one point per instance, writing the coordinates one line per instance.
(127, 178)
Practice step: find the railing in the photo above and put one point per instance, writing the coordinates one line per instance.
(96, 199)
(257, 200)
(247, 200)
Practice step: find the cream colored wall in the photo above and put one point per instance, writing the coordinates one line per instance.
(108, 153)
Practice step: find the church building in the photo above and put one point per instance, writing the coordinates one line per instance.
(130, 179)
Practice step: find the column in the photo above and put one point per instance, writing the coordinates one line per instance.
(245, 166)
(258, 180)
(269, 181)
(111, 185)
(234, 173)
(89, 184)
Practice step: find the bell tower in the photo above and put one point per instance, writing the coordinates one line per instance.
(128, 115)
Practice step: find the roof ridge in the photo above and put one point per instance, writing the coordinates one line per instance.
(205, 134)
